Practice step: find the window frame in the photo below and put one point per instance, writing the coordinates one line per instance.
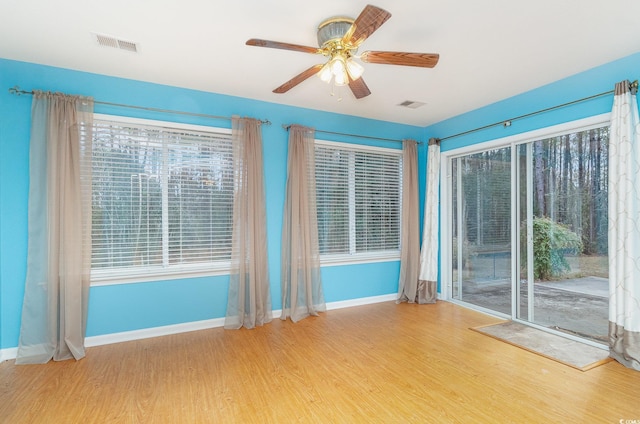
(124, 275)
(337, 259)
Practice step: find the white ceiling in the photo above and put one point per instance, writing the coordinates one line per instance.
(489, 49)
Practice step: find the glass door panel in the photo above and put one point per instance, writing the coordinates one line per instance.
(562, 210)
(481, 242)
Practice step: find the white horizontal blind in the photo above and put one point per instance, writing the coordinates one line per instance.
(359, 195)
(332, 199)
(378, 195)
(162, 197)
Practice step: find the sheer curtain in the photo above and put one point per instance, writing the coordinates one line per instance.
(301, 283)
(54, 311)
(428, 278)
(624, 228)
(249, 302)
(410, 231)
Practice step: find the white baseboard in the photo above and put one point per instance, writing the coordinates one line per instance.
(361, 301)
(145, 333)
(9, 353)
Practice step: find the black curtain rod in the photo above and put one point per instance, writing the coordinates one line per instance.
(286, 127)
(16, 90)
(507, 122)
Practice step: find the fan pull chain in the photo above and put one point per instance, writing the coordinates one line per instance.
(335, 91)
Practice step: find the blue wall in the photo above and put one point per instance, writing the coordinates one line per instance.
(127, 307)
(585, 84)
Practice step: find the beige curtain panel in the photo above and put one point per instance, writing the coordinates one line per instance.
(410, 231)
(302, 293)
(249, 301)
(54, 312)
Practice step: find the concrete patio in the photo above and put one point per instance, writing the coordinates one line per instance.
(576, 306)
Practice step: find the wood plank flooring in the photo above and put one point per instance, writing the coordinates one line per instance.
(381, 363)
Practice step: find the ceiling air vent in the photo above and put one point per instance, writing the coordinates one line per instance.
(411, 104)
(109, 41)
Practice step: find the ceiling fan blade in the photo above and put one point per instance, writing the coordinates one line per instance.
(298, 79)
(371, 18)
(424, 60)
(284, 46)
(359, 88)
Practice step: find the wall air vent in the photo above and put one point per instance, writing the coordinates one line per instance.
(109, 41)
(411, 104)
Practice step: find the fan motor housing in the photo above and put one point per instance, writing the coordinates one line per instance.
(333, 29)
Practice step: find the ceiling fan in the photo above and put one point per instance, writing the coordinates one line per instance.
(339, 39)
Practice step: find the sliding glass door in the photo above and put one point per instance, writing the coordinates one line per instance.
(528, 231)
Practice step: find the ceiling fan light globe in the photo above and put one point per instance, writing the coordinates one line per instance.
(354, 69)
(341, 79)
(337, 65)
(325, 73)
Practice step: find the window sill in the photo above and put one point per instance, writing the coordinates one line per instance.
(128, 276)
(339, 260)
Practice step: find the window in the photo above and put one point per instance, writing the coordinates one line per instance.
(162, 198)
(359, 196)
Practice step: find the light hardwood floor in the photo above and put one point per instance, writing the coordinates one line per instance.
(381, 363)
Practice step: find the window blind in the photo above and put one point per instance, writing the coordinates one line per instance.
(162, 197)
(358, 195)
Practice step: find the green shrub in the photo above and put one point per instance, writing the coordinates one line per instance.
(551, 242)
